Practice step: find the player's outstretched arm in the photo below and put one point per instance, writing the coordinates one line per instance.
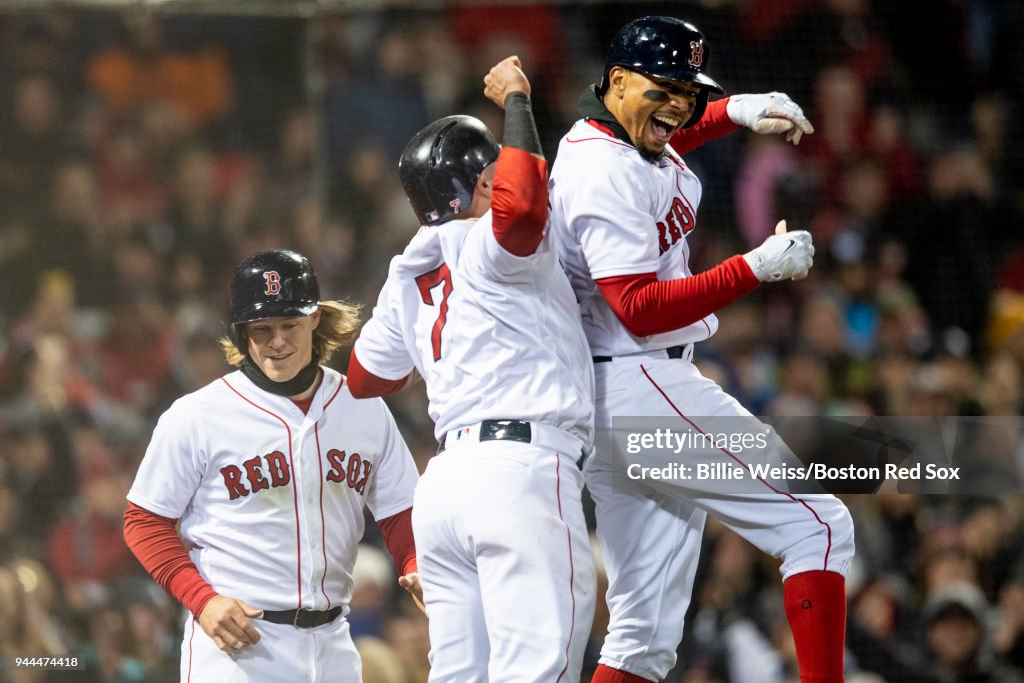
(519, 202)
(767, 114)
(646, 305)
(226, 621)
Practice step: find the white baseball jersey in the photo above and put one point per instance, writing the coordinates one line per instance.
(632, 221)
(270, 499)
(615, 213)
(494, 335)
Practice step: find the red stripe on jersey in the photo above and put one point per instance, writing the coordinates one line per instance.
(323, 522)
(601, 127)
(612, 139)
(295, 488)
(336, 390)
(828, 527)
(572, 569)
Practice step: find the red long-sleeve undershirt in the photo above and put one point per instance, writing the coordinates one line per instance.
(646, 305)
(714, 124)
(364, 384)
(161, 552)
(519, 202)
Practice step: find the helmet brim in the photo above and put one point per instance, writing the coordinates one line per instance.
(274, 309)
(695, 77)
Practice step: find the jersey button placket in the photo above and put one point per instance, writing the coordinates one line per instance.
(308, 494)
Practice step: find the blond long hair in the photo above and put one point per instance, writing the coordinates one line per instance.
(339, 322)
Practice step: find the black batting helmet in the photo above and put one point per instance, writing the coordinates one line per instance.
(664, 47)
(272, 284)
(441, 164)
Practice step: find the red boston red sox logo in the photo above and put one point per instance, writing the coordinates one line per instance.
(273, 281)
(696, 54)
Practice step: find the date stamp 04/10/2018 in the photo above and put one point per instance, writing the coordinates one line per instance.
(10, 662)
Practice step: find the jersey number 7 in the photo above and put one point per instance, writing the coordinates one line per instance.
(426, 283)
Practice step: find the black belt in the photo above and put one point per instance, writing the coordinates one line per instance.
(505, 430)
(673, 352)
(500, 430)
(302, 618)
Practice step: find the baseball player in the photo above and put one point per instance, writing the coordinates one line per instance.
(623, 203)
(478, 305)
(268, 470)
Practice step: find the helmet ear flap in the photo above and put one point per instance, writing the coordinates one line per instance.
(441, 164)
(699, 106)
(238, 338)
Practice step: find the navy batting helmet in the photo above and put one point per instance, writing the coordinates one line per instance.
(441, 164)
(273, 284)
(664, 47)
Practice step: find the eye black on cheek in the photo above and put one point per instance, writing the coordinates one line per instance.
(656, 95)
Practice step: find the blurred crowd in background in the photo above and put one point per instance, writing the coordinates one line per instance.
(142, 155)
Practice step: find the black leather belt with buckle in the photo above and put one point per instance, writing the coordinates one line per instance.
(302, 618)
(500, 430)
(506, 430)
(673, 352)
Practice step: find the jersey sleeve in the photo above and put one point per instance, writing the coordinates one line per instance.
(381, 345)
(173, 467)
(394, 478)
(610, 216)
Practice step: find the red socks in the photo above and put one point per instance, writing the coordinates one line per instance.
(816, 609)
(605, 674)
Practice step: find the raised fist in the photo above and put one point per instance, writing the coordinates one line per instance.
(504, 78)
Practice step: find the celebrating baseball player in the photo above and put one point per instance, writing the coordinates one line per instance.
(268, 470)
(479, 306)
(623, 203)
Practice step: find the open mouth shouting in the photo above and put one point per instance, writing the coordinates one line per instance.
(663, 127)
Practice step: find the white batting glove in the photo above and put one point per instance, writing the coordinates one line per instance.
(769, 114)
(784, 255)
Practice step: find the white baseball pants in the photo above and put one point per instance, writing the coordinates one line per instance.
(284, 654)
(650, 531)
(505, 562)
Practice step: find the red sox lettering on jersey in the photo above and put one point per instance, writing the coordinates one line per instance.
(676, 224)
(352, 470)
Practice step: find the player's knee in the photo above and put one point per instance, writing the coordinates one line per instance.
(842, 550)
(827, 542)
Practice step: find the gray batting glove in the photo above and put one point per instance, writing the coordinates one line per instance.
(783, 256)
(771, 113)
